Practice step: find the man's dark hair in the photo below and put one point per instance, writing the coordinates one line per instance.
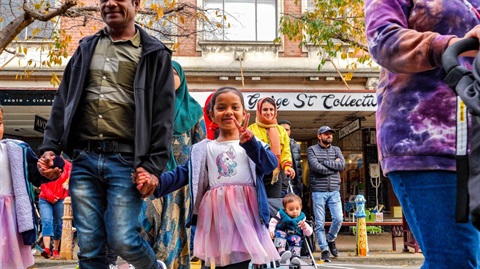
(285, 122)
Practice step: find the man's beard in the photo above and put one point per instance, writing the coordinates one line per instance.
(326, 142)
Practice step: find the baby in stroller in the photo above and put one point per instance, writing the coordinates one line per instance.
(288, 227)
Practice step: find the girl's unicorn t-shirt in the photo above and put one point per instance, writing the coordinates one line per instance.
(228, 163)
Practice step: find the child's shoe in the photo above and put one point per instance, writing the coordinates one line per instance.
(285, 256)
(55, 254)
(295, 260)
(46, 253)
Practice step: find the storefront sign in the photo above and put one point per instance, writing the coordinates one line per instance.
(39, 124)
(349, 128)
(27, 97)
(315, 101)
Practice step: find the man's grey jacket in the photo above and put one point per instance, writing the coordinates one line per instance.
(324, 172)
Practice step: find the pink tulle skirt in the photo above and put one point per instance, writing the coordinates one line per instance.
(13, 253)
(229, 229)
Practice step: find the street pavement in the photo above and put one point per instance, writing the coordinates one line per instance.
(380, 256)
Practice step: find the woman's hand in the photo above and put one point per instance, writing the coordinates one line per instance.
(473, 33)
(289, 172)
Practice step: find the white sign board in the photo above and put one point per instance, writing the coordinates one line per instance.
(349, 128)
(306, 101)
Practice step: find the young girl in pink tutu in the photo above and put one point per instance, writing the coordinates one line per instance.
(18, 226)
(229, 202)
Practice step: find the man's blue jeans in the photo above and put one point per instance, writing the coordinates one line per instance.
(106, 206)
(51, 215)
(334, 202)
(428, 202)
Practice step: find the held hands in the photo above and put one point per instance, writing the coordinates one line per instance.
(146, 182)
(45, 166)
(245, 134)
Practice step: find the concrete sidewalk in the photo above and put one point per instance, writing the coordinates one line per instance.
(380, 252)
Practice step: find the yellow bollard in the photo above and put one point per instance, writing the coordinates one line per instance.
(66, 248)
(362, 243)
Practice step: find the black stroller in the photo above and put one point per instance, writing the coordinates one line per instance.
(466, 84)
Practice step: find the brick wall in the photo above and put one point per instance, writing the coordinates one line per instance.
(291, 48)
(187, 44)
(79, 27)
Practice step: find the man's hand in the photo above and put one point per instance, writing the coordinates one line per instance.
(244, 133)
(146, 182)
(45, 166)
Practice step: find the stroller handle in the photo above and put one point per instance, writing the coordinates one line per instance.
(450, 56)
(451, 65)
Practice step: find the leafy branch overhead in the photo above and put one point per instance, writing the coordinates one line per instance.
(337, 26)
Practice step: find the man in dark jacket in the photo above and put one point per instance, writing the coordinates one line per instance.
(113, 114)
(297, 182)
(325, 162)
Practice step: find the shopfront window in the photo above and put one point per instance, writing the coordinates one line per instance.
(246, 20)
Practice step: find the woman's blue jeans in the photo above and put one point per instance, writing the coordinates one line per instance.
(106, 206)
(332, 199)
(51, 215)
(428, 202)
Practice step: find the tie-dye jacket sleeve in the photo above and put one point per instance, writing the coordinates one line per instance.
(406, 36)
(416, 113)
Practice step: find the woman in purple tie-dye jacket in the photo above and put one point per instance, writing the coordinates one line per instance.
(416, 119)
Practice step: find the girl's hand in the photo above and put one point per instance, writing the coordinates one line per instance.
(302, 225)
(245, 134)
(141, 178)
(272, 235)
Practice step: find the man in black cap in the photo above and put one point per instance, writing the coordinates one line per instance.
(325, 162)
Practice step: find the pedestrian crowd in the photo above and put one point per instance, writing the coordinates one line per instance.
(158, 181)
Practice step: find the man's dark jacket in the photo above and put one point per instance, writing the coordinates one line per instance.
(154, 95)
(297, 166)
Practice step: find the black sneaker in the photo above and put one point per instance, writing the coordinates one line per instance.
(326, 255)
(333, 248)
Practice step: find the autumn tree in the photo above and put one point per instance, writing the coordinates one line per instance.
(42, 20)
(337, 26)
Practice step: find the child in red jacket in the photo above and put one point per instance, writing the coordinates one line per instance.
(52, 195)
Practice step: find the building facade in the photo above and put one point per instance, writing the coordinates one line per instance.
(244, 56)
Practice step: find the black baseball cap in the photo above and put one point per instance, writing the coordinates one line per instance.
(325, 129)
